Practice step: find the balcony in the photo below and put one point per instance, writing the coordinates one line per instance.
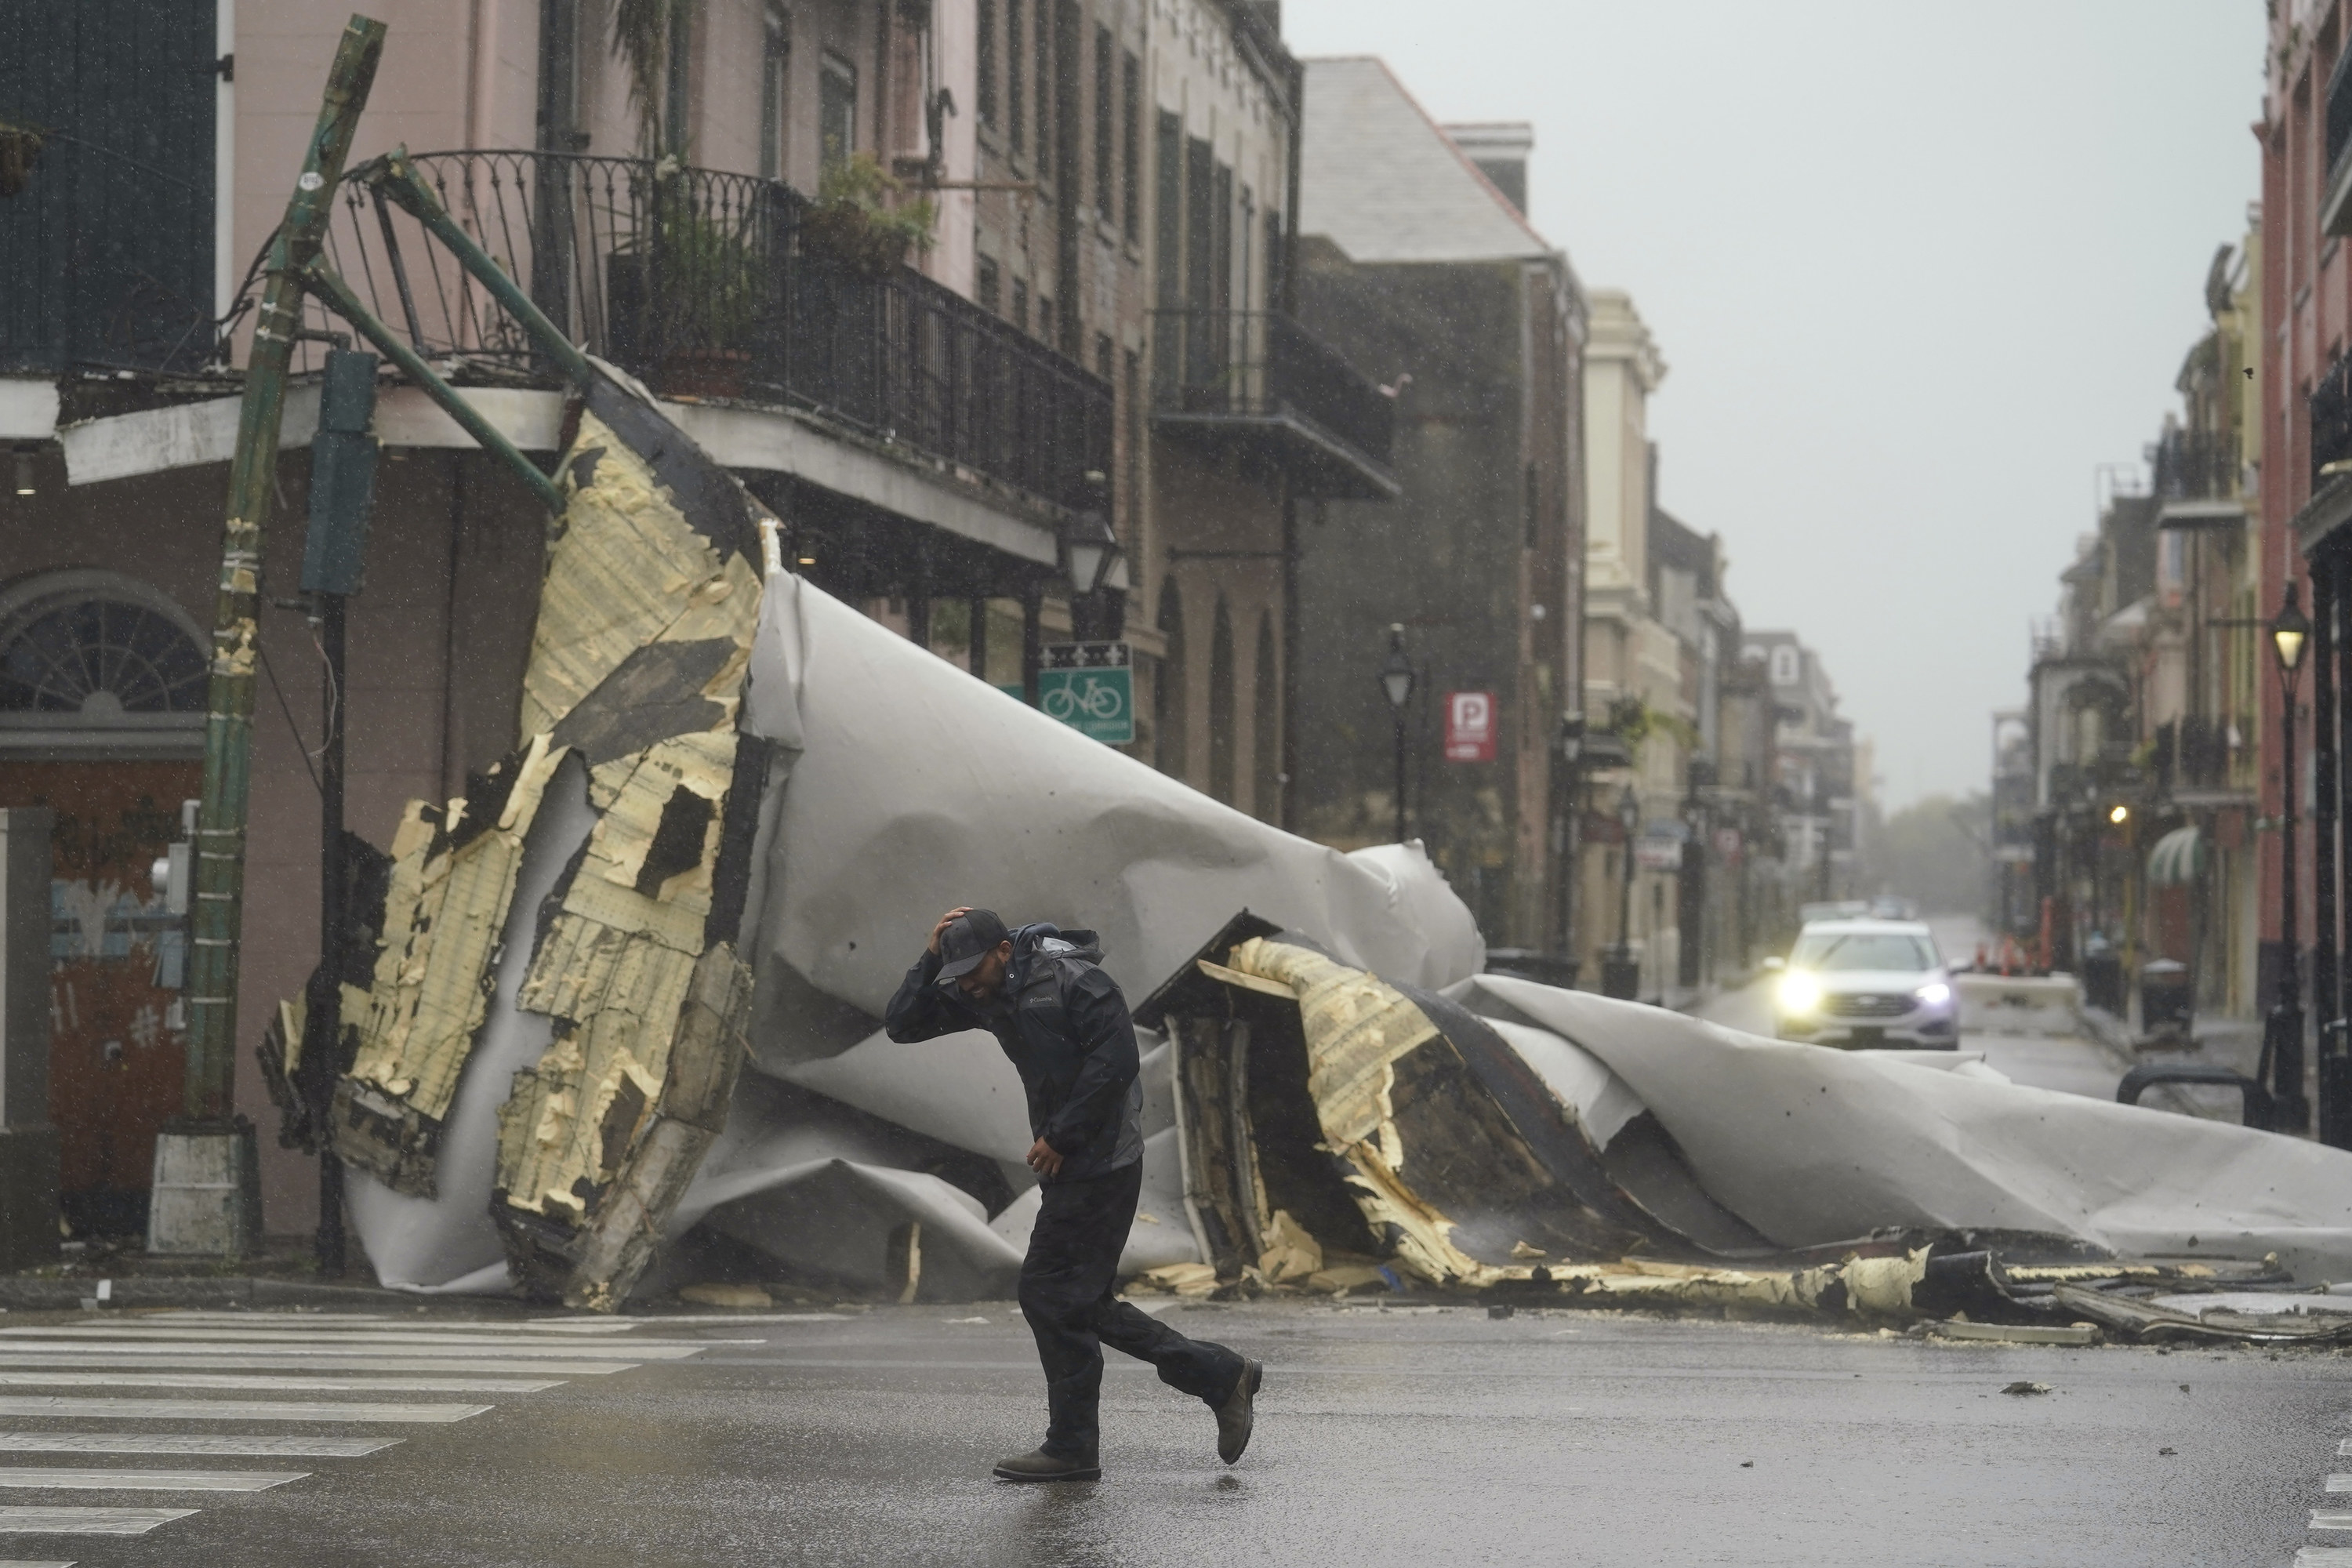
(1256, 385)
(2196, 481)
(2335, 196)
(712, 286)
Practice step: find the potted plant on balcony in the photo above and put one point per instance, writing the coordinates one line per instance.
(860, 224)
(686, 291)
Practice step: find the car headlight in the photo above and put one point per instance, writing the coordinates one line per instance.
(1799, 994)
(1934, 994)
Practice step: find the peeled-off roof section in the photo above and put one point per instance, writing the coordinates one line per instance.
(1381, 180)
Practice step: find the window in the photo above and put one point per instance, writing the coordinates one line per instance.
(837, 110)
(105, 657)
(1105, 126)
(1045, 318)
(1130, 77)
(1784, 665)
(679, 100)
(987, 287)
(1221, 239)
(1168, 216)
(775, 63)
(1200, 225)
(1221, 706)
(1131, 390)
(988, 63)
(1276, 260)
(1847, 952)
(1016, 97)
(1021, 303)
(1041, 32)
(1245, 230)
(1103, 357)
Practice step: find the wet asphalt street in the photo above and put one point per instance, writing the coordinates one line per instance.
(1386, 1436)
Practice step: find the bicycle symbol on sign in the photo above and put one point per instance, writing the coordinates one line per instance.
(1086, 695)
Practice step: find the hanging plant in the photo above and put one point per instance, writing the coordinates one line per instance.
(642, 31)
(861, 223)
(20, 150)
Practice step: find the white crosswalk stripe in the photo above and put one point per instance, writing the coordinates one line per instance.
(235, 1409)
(512, 1344)
(135, 1379)
(28, 1563)
(129, 1346)
(238, 1361)
(363, 1345)
(107, 1480)
(87, 1520)
(227, 1359)
(213, 1445)
(310, 1321)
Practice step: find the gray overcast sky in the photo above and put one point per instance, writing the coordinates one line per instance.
(1915, 270)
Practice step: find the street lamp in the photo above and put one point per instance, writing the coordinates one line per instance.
(1396, 684)
(1621, 977)
(1571, 847)
(1088, 545)
(2282, 1031)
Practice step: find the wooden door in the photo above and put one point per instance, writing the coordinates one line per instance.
(116, 1066)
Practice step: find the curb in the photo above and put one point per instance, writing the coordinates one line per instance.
(33, 1293)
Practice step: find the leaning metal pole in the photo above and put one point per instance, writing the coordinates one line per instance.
(206, 1193)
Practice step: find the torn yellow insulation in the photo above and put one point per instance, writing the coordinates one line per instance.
(1357, 1025)
(627, 570)
(444, 914)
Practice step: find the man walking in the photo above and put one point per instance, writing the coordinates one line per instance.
(1065, 1025)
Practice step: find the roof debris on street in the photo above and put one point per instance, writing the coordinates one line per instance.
(716, 758)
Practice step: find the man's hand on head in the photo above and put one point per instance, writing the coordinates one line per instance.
(946, 921)
(1042, 1159)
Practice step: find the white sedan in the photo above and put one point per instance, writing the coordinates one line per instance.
(1856, 983)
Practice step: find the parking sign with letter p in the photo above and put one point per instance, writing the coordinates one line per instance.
(1469, 726)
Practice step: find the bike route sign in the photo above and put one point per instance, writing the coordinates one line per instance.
(1090, 686)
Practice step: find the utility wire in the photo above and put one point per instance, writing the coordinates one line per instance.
(284, 708)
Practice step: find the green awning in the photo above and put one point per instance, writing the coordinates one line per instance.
(2178, 860)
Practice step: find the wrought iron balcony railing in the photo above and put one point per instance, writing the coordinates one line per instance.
(2331, 420)
(720, 286)
(1258, 375)
(2197, 465)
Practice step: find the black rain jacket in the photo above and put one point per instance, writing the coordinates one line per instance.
(1063, 1024)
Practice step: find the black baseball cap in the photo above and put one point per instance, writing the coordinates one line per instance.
(968, 939)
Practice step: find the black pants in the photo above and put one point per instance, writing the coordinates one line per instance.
(1065, 1294)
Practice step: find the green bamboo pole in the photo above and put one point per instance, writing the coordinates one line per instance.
(219, 903)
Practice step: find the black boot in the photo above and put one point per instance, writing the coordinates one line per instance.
(1041, 1466)
(1238, 1413)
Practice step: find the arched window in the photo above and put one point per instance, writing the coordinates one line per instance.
(1221, 706)
(1168, 690)
(1266, 730)
(93, 661)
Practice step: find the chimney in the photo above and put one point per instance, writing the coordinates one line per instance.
(1500, 149)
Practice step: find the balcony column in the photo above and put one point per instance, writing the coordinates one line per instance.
(918, 600)
(1032, 638)
(2329, 587)
(2327, 878)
